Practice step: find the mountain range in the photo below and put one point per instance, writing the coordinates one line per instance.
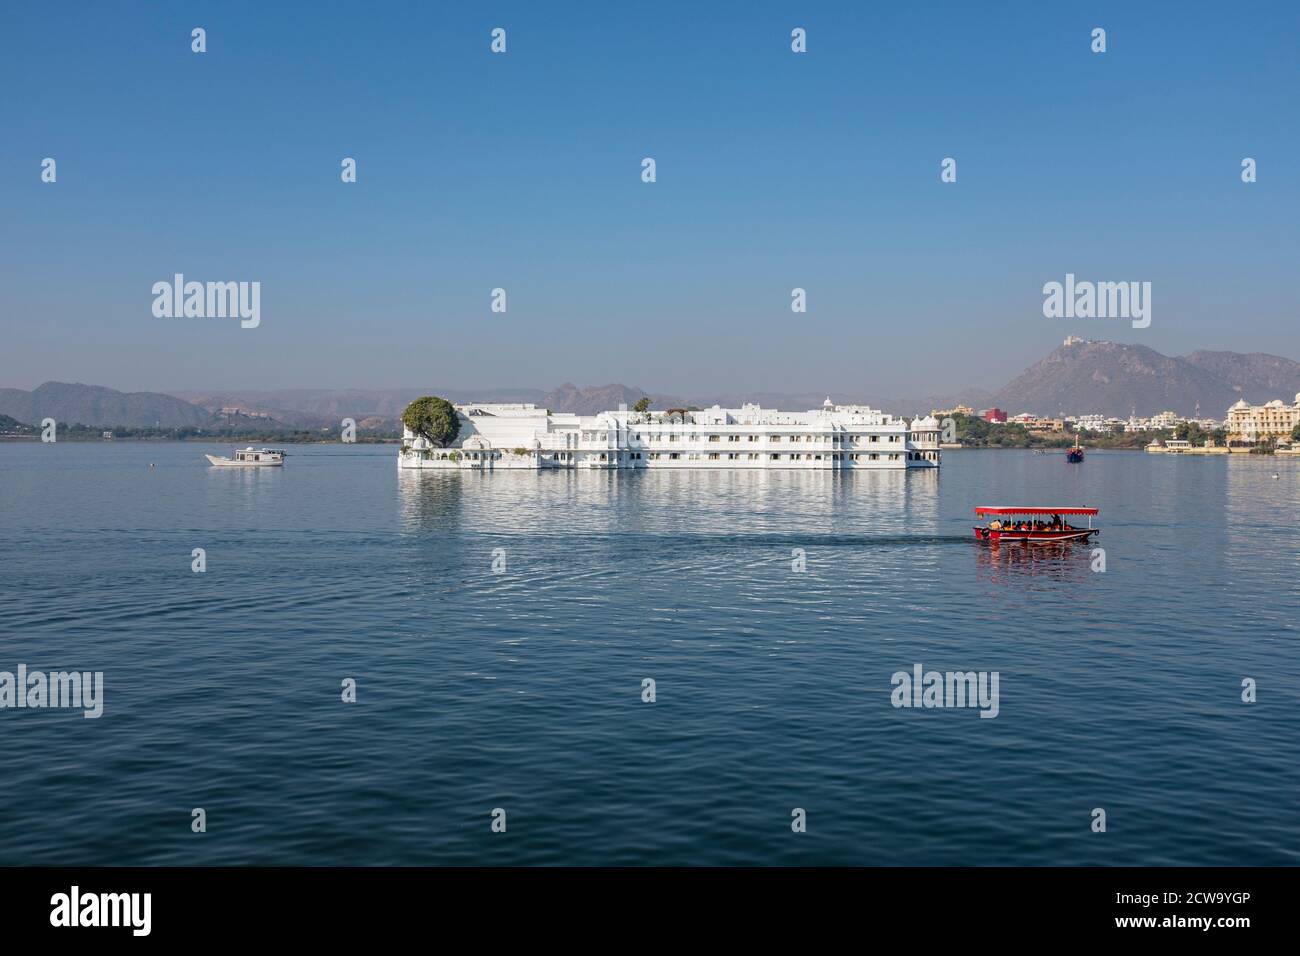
(1078, 378)
(97, 405)
(1117, 380)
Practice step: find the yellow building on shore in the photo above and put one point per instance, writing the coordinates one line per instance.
(1254, 423)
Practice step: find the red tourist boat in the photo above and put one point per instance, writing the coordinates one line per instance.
(1033, 525)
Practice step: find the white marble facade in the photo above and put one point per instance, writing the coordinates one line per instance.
(494, 436)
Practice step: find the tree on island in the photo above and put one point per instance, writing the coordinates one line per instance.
(1295, 432)
(434, 419)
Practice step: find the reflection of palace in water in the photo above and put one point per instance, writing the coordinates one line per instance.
(576, 502)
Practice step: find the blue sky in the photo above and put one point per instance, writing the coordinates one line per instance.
(522, 171)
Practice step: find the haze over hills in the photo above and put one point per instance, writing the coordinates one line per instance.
(1114, 379)
(1256, 373)
(318, 408)
(1080, 378)
(96, 405)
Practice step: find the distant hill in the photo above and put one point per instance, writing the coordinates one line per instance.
(12, 426)
(1257, 376)
(1114, 379)
(319, 407)
(322, 407)
(593, 399)
(315, 408)
(1085, 377)
(95, 405)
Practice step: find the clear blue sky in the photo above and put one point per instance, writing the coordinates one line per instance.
(522, 170)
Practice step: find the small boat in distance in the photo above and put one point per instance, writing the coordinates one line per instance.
(1032, 524)
(250, 457)
(1074, 453)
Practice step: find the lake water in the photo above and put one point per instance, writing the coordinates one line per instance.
(522, 690)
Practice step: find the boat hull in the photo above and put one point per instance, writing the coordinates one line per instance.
(231, 463)
(1033, 537)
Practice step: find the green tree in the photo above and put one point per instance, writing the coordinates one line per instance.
(1295, 432)
(642, 405)
(434, 419)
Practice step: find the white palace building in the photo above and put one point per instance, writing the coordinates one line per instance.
(834, 436)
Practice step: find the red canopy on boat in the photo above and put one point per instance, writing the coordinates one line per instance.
(1000, 510)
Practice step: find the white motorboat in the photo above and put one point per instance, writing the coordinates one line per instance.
(249, 457)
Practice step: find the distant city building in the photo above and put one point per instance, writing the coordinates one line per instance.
(1038, 423)
(1162, 421)
(750, 437)
(1158, 422)
(955, 410)
(1098, 423)
(1165, 420)
(1046, 425)
(230, 410)
(1252, 423)
(994, 415)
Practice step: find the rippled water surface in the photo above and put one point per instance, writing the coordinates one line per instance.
(522, 690)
